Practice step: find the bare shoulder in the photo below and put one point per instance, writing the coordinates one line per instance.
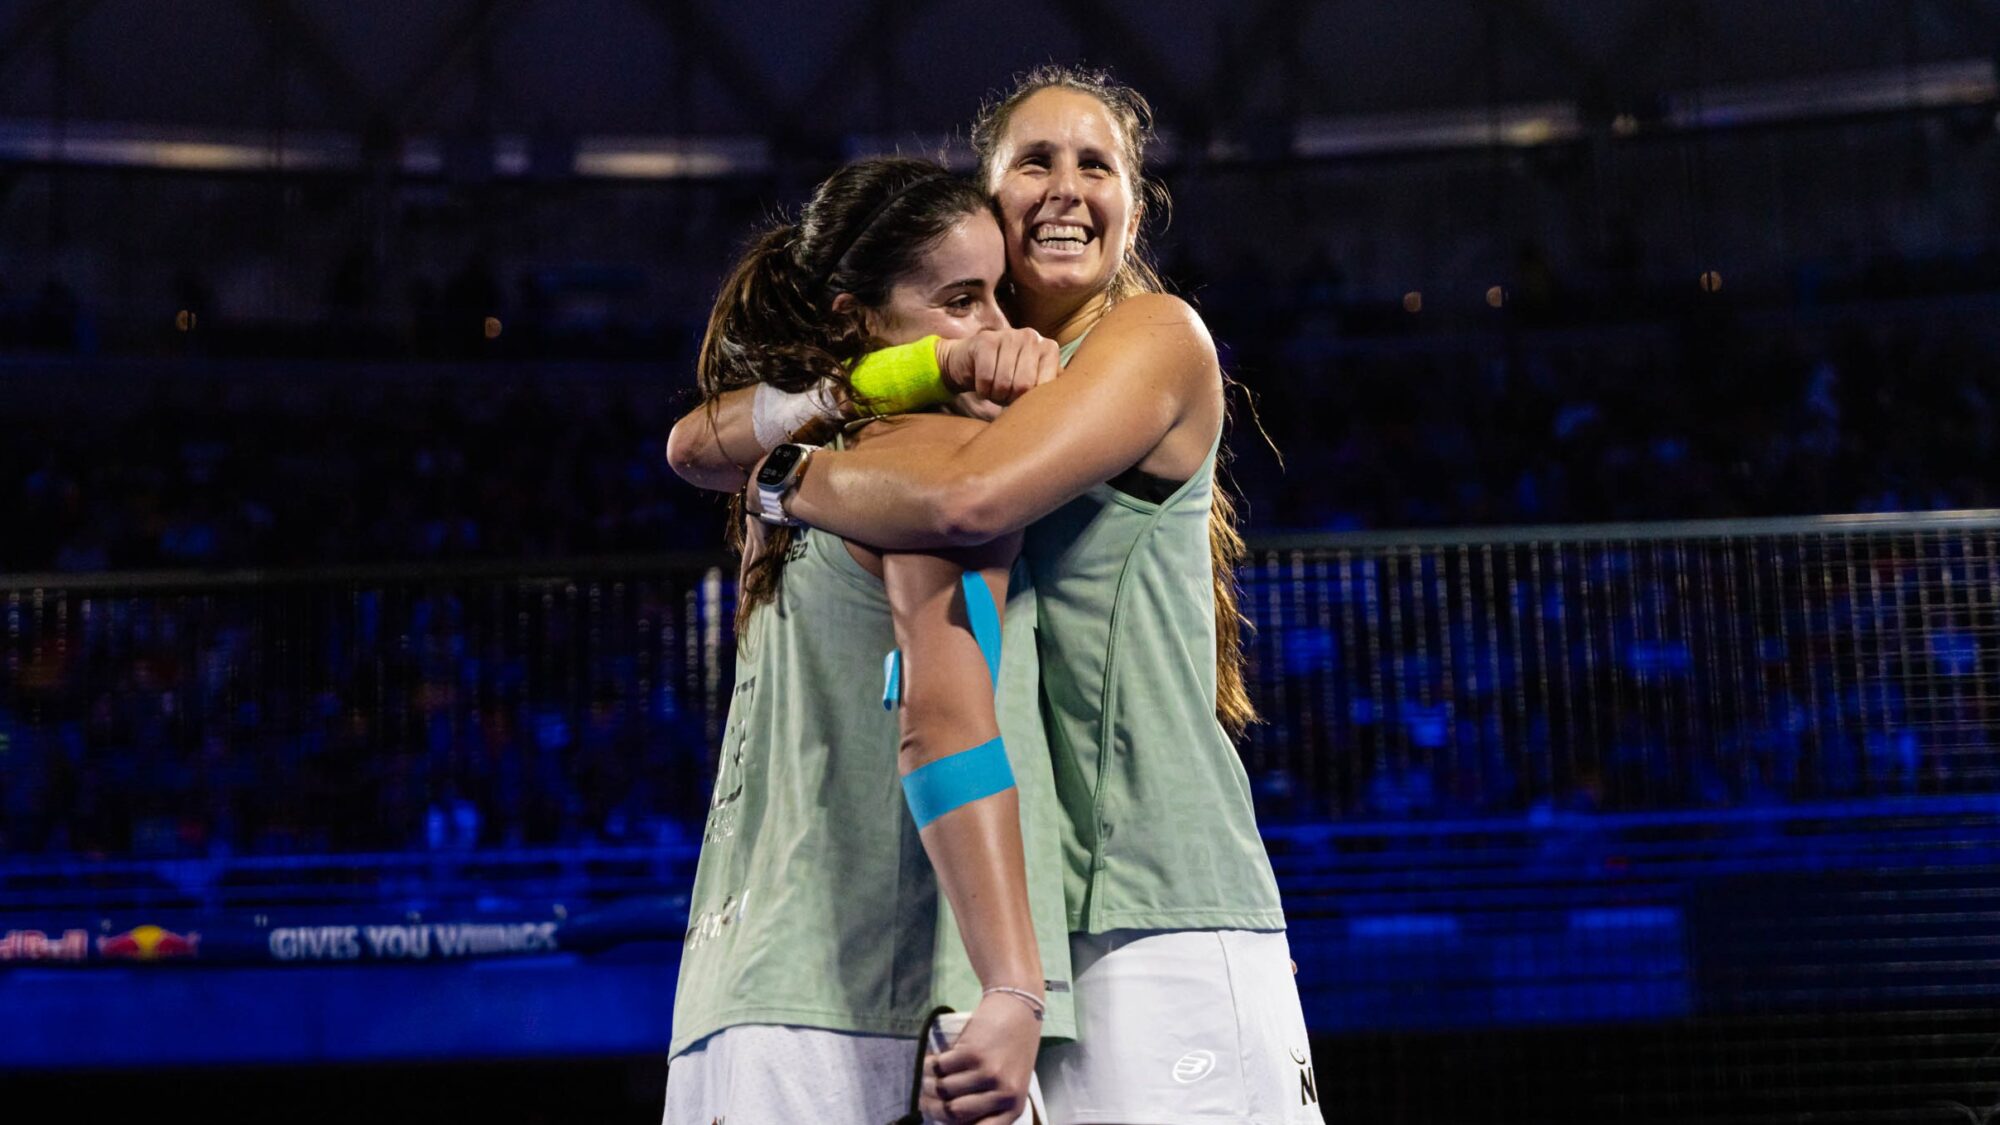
(1158, 330)
(1160, 310)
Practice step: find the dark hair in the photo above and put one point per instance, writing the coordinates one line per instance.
(1134, 117)
(866, 226)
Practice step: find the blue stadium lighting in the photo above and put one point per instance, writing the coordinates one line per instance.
(1404, 926)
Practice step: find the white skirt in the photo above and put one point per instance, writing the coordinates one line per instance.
(773, 1074)
(1183, 1027)
(756, 1073)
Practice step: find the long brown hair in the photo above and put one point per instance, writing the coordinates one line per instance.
(1134, 117)
(866, 226)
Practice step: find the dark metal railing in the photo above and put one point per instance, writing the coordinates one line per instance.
(1492, 672)
(360, 709)
(1638, 666)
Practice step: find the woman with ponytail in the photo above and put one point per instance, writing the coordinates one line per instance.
(850, 882)
(1185, 1001)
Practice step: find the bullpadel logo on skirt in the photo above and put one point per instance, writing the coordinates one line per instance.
(1194, 1066)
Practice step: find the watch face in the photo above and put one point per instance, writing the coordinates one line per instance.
(779, 465)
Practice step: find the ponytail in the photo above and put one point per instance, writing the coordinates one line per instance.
(766, 327)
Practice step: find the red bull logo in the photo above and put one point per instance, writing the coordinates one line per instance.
(147, 943)
(34, 945)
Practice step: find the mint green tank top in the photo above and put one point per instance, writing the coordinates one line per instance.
(814, 903)
(1158, 828)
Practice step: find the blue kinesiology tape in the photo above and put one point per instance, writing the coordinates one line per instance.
(892, 680)
(936, 788)
(985, 621)
(984, 618)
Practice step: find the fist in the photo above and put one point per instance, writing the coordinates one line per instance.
(983, 1078)
(999, 364)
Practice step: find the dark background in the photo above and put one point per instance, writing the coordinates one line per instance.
(301, 287)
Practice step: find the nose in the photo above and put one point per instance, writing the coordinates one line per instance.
(1063, 183)
(990, 315)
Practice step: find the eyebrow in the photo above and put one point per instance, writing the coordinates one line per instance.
(964, 283)
(1044, 147)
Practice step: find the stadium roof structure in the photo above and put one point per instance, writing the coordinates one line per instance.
(550, 89)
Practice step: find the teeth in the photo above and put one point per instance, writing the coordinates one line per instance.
(1060, 232)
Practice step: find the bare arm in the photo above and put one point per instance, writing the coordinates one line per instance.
(714, 445)
(1146, 390)
(976, 848)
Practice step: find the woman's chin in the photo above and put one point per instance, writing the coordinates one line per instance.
(1047, 278)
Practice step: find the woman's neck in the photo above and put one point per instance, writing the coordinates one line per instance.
(1063, 319)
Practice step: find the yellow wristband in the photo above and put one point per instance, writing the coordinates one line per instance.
(900, 379)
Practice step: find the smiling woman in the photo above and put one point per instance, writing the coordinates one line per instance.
(1177, 933)
(1063, 165)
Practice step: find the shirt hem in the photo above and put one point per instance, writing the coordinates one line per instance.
(1104, 921)
(818, 1018)
(1058, 1031)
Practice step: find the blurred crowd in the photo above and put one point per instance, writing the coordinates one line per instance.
(471, 714)
(1639, 673)
(337, 717)
(321, 470)
(1709, 414)
(507, 711)
(1697, 422)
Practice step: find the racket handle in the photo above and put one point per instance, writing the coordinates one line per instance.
(946, 1030)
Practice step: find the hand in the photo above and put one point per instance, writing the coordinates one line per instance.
(983, 1078)
(970, 405)
(999, 364)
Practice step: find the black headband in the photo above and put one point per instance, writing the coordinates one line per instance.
(882, 208)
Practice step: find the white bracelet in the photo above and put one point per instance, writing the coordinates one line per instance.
(1030, 999)
(776, 415)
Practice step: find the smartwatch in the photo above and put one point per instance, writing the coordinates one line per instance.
(780, 474)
